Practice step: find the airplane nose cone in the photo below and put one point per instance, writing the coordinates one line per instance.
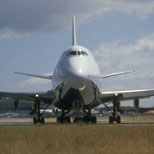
(76, 75)
(76, 68)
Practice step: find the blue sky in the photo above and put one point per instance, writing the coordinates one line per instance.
(34, 33)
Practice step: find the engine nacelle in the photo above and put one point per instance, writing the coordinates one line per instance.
(136, 103)
(16, 105)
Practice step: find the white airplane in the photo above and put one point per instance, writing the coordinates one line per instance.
(76, 88)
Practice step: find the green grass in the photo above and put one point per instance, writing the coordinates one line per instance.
(77, 139)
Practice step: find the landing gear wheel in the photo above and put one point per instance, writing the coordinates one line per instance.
(34, 120)
(39, 116)
(114, 116)
(86, 119)
(110, 119)
(42, 120)
(78, 120)
(58, 119)
(118, 119)
(93, 119)
(63, 120)
(68, 119)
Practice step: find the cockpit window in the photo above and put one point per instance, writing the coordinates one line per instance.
(75, 53)
(79, 53)
(72, 53)
(84, 53)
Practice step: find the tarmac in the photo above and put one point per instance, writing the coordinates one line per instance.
(139, 120)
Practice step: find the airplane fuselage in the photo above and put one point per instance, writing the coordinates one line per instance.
(71, 81)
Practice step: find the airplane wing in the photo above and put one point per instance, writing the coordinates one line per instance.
(110, 75)
(126, 95)
(116, 74)
(49, 77)
(45, 97)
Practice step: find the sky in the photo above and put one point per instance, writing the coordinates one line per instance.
(34, 33)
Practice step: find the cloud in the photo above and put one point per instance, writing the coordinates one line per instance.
(52, 15)
(13, 35)
(121, 56)
(34, 84)
(140, 8)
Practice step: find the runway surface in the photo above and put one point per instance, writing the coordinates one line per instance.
(137, 120)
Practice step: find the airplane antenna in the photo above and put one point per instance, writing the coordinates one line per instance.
(73, 31)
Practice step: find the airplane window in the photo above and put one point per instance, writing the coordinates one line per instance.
(79, 53)
(72, 53)
(84, 53)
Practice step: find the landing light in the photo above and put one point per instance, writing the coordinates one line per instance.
(116, 94)
(37, 95)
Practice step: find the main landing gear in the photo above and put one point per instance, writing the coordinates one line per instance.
(114, 116)
(63, 118)
(78, 111)
(85, 119)
(88, 118)
(39, 116)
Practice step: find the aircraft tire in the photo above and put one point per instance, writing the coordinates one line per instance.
(59, 120)
(34, 120)
(93, 119)
(110, 119)
(68, 119)
(42, 120)
(78, 120)
(118, 119)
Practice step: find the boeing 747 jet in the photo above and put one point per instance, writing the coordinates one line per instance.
(76, 88)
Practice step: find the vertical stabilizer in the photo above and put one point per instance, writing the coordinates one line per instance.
(73, 31)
